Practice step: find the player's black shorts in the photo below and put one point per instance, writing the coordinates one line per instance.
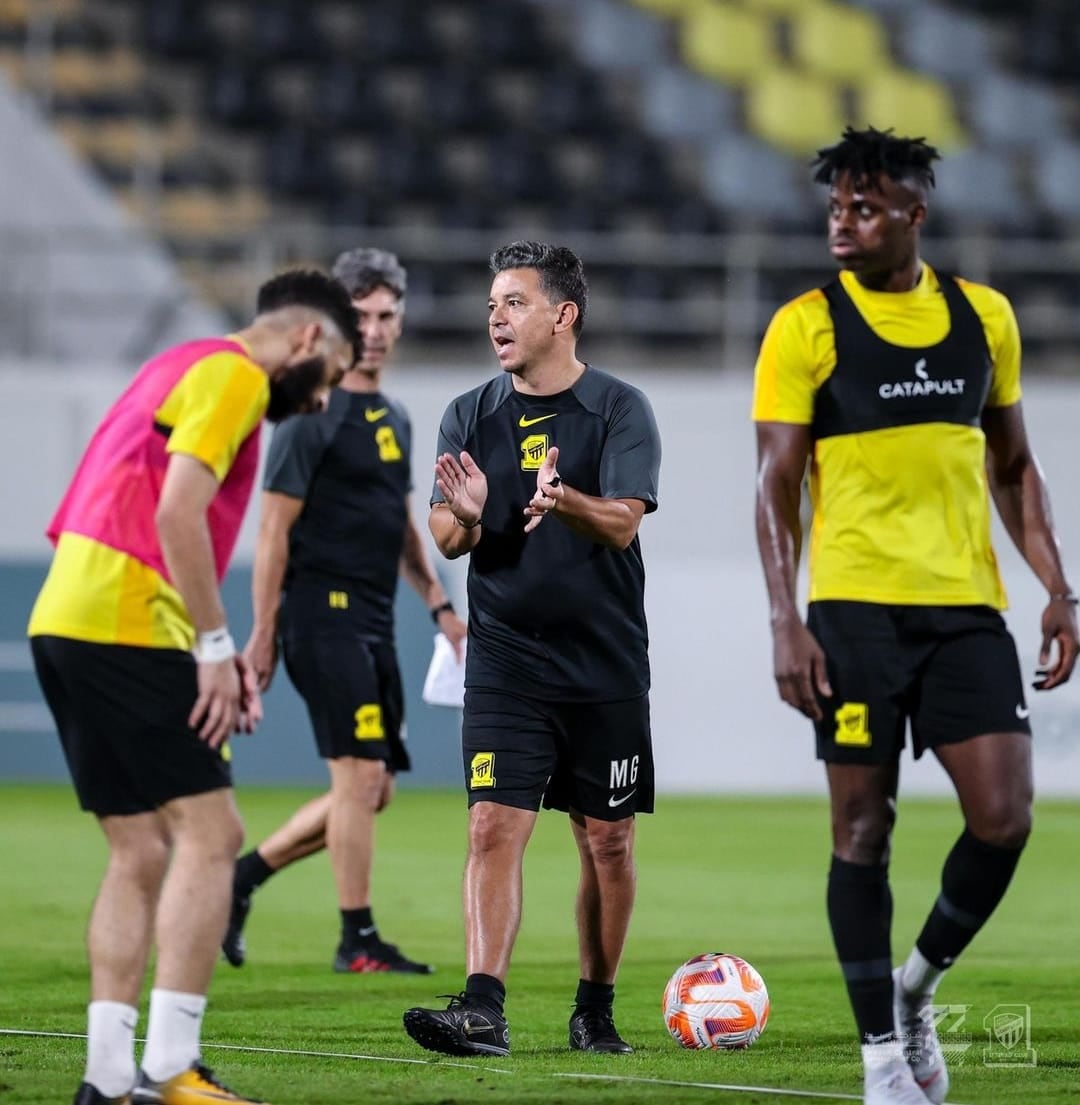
(122, 716)
(352, 689)
(595, 757)
(952, 671)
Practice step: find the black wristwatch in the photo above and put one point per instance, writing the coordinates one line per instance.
(442, 608)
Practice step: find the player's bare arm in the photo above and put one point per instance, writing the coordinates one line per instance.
(184, 533)
(798, 660)
(276, 519)
(1023, 502)
(456, 523)
(417, 570)
(610, 522)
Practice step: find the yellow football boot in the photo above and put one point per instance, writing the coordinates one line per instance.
(194, 1086)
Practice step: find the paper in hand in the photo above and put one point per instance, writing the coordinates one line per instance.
(445, 681)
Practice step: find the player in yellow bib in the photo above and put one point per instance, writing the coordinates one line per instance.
(900, 386)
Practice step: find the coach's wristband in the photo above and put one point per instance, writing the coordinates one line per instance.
(1066, 596)
(215, 646)
(442, 608)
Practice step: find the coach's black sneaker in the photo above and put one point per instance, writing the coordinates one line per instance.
(592, 1028)
(90, 1095)
(463, 1028)
(233, 944)
(375, 955)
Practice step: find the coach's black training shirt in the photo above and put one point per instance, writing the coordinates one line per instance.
(351, 466)
(553, 615)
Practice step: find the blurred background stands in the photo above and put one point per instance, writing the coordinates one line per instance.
(667, 140)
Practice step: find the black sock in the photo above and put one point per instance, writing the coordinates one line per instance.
(860, 913)
(973, 881)
(358, 927)
(251, 872)
(594, 994)
(486, 990)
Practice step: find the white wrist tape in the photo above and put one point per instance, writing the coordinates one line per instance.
(215, 646)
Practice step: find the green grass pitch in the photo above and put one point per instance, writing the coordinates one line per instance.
(739, 875)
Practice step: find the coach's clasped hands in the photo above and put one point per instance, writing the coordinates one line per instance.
(549, 490)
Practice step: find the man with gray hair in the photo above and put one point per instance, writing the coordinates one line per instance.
(335, 531)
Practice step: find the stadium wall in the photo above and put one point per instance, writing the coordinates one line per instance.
(718, 725)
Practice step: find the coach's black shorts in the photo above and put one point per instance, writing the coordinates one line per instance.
(352, 689)
(595, 757)
(122, 716)
(952, 671)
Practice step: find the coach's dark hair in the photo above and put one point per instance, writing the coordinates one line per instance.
(562, 276)
(866, 154)
(363, 270)
(314, 289)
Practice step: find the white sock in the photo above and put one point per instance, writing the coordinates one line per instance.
(110, 1047)
(172, 1036)
(919, 977)
(876, 1057)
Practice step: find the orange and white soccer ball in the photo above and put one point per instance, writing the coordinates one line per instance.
(716, 1000)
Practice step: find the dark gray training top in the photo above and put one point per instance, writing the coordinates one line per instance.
(553, 615)
(350, 465)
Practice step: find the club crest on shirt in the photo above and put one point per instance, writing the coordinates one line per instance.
(482, 770)
(853, 724)
(533, 450)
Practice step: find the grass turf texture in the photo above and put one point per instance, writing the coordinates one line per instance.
(739, 875)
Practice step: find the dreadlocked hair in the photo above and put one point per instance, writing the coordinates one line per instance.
(866, 154)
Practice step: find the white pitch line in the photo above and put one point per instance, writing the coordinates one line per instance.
(282, 1051)
(775, 1090)
(716, 1086)
(727, 1088)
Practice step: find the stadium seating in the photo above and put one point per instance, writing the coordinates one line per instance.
(910, 103)
(727, 42)
(818, 120)
(837, 41)
(562, 116)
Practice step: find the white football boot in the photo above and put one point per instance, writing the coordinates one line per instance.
(917, 1032)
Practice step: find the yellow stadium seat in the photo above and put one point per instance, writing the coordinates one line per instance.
(912, 104)
(672, 8)
(779, 7)
(19, 12)
(74, 72)
(727, 43)
(197, 213)
(795, 111)
(126, 141)
(838, 41)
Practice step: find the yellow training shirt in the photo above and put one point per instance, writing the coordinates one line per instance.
(898, 470)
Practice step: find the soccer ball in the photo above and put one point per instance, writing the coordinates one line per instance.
(716, 1000)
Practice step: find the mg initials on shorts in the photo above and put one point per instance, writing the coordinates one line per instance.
(594, 757)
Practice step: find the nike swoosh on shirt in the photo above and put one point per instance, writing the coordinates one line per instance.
(613, 801)
(374, 416)
(524, 422)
